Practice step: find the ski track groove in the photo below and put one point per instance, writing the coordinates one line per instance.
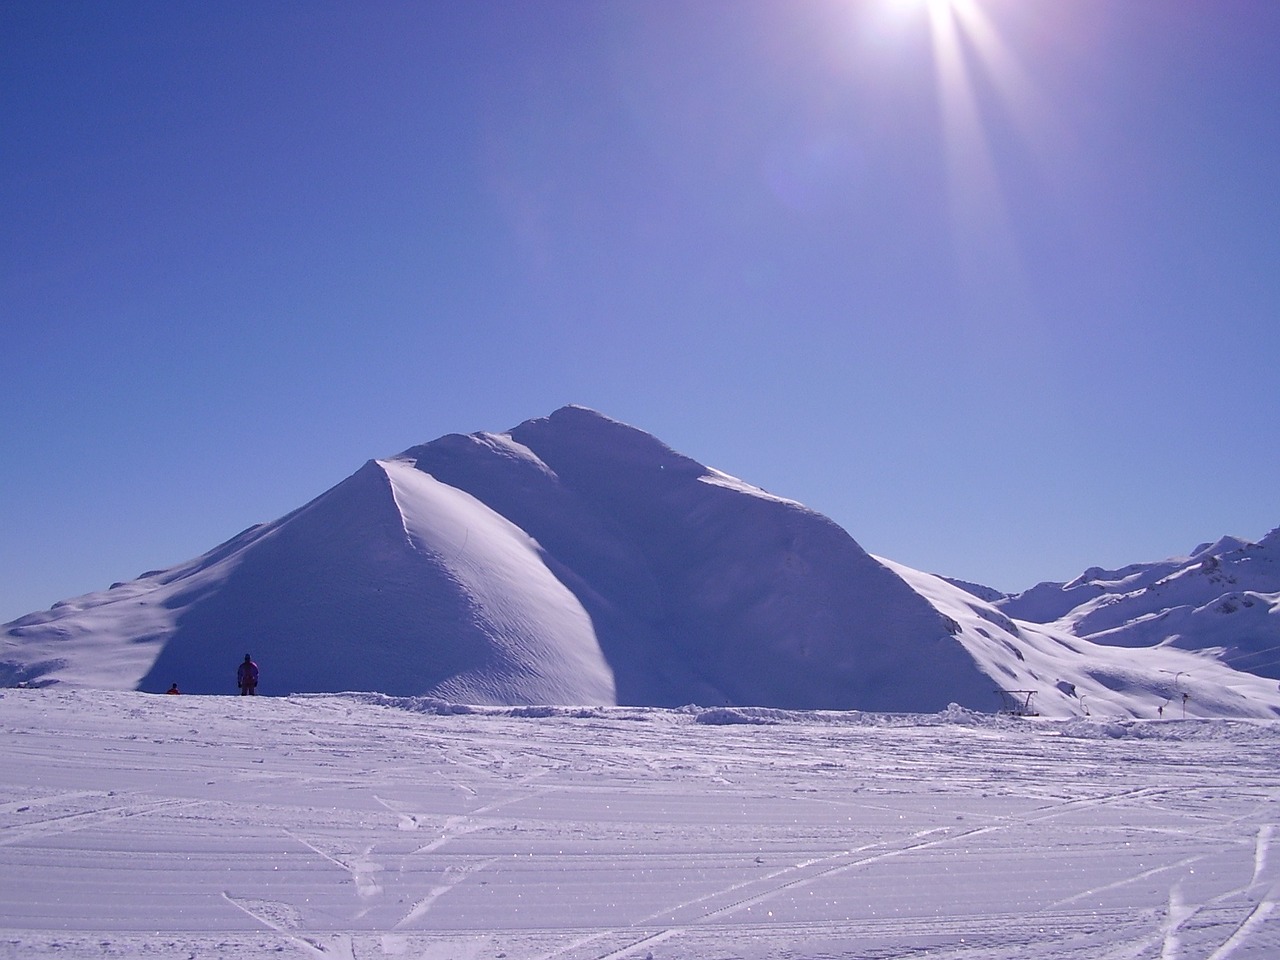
(1027, 928)
(773, 889)
(1145, 874)
(345, 951)
(1176, 930)
(16, 806)
(836, 868)
(85, 819)
(1254, 918)
(451, 829)
(453, 877)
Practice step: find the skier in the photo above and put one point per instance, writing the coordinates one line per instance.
(247, 677)
(173, 688)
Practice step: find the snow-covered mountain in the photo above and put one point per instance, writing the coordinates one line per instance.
(578, 560)
(1224, 596)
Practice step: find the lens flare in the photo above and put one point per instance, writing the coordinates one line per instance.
(964, 40)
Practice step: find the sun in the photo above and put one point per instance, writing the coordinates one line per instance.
(932, 6)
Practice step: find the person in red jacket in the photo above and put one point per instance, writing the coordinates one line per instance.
(247, 677)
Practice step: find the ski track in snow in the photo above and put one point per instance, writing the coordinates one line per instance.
(134, 825)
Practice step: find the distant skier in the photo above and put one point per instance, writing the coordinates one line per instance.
(173, 688)
(247, 677)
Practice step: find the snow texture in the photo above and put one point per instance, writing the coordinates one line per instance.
(369, 826)
(578, 560)
(1223, 598)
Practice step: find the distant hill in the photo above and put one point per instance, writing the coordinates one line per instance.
(578, 560)
(1223, 597)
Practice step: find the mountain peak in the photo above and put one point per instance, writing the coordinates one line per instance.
(576, 559)
(1223, 598)
(585, 434)
(1218, 547)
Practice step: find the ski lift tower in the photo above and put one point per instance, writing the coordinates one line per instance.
(1017, 703)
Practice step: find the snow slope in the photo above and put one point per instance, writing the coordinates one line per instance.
(573, 560)
(1225, 596)
(366, 826)
(703, 588)
(578, 560)
(368, 586)
(1070, 676)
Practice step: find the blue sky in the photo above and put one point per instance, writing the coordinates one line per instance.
(994, 284)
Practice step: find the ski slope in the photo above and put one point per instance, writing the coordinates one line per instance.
(363, 826)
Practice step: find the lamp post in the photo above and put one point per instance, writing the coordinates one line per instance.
(1185, 695)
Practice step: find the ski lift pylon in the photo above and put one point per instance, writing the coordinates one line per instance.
(1017, 703)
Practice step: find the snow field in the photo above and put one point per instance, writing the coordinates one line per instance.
(368, 826)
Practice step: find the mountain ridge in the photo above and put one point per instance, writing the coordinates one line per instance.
(1223, 597)
(575, 559)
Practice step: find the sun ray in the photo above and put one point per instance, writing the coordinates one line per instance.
(1011, 81)
(986, 254)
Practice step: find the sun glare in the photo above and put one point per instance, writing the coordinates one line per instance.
(964, 40)
(929, 5)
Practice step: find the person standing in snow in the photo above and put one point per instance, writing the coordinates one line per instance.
(173, 689)
(247, 677)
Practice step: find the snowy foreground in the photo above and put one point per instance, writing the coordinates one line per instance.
(360, 826)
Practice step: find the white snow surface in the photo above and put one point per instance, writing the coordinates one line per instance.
(1068, 676)
(365, 826)
(296, 594)
(578, 560)
(1223, 597)
(521, 604)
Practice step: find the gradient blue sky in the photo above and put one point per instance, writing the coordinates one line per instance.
(996, 286)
